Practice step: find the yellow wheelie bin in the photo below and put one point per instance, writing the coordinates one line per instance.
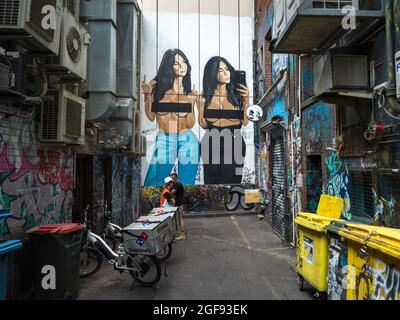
(312, 242)
(373, 262)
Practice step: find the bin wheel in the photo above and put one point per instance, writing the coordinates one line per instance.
(300, 282)
(68, 296)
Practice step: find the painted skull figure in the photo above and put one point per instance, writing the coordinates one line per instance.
(254, 113)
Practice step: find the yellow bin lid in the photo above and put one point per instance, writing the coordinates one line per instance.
(386, 240)
(329, 206)
(313, 221)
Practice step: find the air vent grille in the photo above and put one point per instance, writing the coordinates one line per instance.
(74, 119)
(50, 117)
(9, 11)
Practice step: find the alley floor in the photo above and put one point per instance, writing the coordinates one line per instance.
(227, 258)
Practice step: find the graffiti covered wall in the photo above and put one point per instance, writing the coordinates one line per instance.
(125, 189)
(201, 198)
(36, 184)
(197, 63)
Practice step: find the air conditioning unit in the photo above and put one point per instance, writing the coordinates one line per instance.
(285, 10)
(340, 71)
(73, 7)
(62, 118)
(74, 41)
(21, 21)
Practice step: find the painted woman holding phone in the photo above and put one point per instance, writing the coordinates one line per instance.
(170, 99)
(222, 113)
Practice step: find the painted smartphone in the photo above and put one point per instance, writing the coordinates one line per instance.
(240, 78)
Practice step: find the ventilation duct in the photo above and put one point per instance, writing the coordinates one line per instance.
(127, 49)
(102, 89)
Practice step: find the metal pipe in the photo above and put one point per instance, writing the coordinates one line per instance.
(391, 22)
(300, 81)
(294, 188)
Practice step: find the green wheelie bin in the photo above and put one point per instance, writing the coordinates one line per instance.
(56, 258)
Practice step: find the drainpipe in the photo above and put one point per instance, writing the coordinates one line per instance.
(300, 82)
(392, 36)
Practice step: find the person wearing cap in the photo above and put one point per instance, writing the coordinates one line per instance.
(178, 192)
(167, 199)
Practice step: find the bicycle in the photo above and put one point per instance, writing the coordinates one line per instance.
(90, 258)
(112, 234)
(138, 266)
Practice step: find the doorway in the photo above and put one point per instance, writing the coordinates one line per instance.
(83, 187)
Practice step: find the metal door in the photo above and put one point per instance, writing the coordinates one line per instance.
(278, 173)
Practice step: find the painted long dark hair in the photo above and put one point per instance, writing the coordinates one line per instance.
(210, 81)
(165, 76)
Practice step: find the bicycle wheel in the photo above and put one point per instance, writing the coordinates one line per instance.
(149, 269)
(165, 253)
(90, 262)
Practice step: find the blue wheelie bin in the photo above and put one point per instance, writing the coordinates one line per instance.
(6, 247)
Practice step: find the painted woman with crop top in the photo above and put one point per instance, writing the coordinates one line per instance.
(170, 99)
(221, 113)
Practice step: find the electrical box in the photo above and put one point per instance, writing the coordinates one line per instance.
(397, 62)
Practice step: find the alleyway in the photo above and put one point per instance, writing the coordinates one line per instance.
(228, 258)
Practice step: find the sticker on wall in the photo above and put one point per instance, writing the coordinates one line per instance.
(308, 247)
(254, 113)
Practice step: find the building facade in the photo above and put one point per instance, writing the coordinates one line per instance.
(336, 101)
(68, 133)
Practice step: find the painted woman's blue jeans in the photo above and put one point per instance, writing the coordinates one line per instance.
(169, 147)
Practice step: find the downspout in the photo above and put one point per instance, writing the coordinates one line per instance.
(392, 36)
(294, 178)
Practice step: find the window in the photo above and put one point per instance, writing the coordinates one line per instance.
(361, 194)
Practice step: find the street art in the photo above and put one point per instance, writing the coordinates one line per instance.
(298, 178)
(378, 281)
(313, 182)
(35, 184)
(222, 113)
(387, 282)
(125, 189)
(387, 202)
(194, 106)
(170, 99)
(338, 181)
(337, 270)
(317, 126)
(201, 198)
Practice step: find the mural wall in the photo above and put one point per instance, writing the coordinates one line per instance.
(35, 184)
(201, 198)
(197, 75)
(125, 189)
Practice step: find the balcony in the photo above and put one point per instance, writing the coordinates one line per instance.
(311, 26)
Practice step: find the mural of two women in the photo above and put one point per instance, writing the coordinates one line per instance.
(171, 100)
